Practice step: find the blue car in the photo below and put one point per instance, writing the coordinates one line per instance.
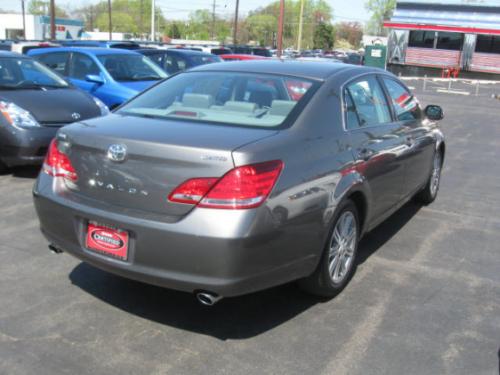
(112, 75)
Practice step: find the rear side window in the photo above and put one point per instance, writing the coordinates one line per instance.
(366, 100)
(405, 105)
(55, 61)
(82, 65)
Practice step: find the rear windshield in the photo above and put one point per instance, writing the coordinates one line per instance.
(240, 99)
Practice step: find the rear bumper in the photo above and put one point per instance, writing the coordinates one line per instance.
(25, 146)
(227, 252)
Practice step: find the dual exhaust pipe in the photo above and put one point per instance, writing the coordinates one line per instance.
(205, 298)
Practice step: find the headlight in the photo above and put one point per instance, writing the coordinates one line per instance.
(103, 107)
(17, 116)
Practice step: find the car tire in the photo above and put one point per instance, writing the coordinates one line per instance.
(429, 193)
(338, 261)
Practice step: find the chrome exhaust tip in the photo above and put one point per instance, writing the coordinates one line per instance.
(55, 249)
(208, 299)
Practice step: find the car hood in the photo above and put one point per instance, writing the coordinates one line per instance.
(54, 106)
(138, 86)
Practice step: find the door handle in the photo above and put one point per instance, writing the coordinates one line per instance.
(365, 154)
(409, 141)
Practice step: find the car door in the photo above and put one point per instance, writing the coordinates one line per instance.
(80, 66)
(420, 143)
(377, 143)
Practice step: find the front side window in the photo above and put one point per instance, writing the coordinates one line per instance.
(27, 73)
(366, 99)
(173, 64)
(421, 39)
(133, 67)
(82, 65)
(450, 41)
(405, 105)
(230, 98)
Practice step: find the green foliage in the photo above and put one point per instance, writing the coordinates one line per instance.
(352, 32)
(343, 44)
(131, 16)
(323, 36)
(381, 10)
(42, 8)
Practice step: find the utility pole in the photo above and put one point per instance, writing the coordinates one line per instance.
(280, 28)
(141, 22)
(153, 20)
(110, 24)
(24, 20)
(52, 20)
(213, 20)
(235, 31)
(301, 20)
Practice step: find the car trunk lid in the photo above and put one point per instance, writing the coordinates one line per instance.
(160, 155)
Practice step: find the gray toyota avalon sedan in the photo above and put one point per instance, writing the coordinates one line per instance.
(236, 177)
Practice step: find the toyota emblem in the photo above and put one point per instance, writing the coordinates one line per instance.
(117, 153)
(75, 116)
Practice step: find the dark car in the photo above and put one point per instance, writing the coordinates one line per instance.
(174, 60)
(34, 103)
(353, 58)
(231, 178)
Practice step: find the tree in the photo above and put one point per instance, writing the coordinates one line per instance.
(381, 11)
(129, 16)
(42, 8)
(323, 36)
(261, 28)
(352, 32)
(174, 31)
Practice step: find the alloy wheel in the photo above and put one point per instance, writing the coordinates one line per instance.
(342, 247)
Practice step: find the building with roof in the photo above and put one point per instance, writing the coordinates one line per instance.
(38, 27)
(444, 34)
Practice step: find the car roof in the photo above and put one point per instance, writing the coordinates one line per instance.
(12, 54)
(89, 50)
(179, 51)
(303, 69)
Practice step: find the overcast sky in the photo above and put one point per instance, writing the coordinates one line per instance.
(344, 10)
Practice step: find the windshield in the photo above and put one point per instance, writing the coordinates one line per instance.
(27, 73)
(240, 99)
(124, 67)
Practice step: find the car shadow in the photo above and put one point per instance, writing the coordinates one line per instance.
(233, 318)
(29, 172)
(375, 239)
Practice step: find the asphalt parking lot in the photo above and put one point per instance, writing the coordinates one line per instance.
(425, 298)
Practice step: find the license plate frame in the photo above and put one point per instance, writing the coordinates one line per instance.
(107, 240)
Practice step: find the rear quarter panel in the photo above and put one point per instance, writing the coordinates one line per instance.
(318, 172)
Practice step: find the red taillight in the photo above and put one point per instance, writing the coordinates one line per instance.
(191, 191)
(242, 187)
(58, 164)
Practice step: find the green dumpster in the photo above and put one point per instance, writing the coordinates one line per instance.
(376, 56)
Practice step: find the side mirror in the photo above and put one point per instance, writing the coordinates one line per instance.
(434, 112)
(94, 78)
